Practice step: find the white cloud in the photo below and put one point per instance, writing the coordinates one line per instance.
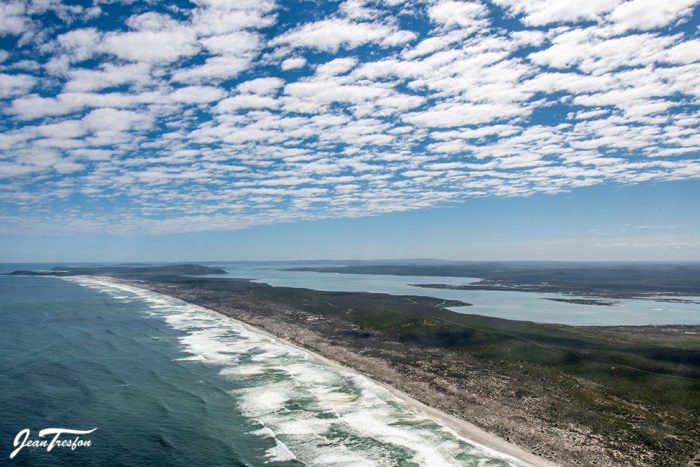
(83, 79)
(12, 18)
(162, 46)
(623, 15)
(196, 94)
(151, 21)
(246, 101)
(115, 120)
(262, 86)
(595, 54)
(79, 44)
(33, 106)
(235, 43)
(338, 66)
(226, 16)
(449, 116)
(543, 12)
(12, 85)
(214, 68)
(293, 63)
(328, 91)
(684, 53)
(188, 118)
(459, 13)
(650, 14)
(332, 34)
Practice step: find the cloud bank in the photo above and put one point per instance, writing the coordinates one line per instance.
(141, 117)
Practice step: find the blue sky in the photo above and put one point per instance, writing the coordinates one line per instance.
(509, 129)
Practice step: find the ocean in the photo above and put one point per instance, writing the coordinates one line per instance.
(169, 383)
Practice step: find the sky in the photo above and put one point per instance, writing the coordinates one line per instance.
(224, 130)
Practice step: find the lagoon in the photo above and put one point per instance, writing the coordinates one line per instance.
(526, 306)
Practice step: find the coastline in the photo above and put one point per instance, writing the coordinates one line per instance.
(473, 434)
(571, 395)
(463, 428)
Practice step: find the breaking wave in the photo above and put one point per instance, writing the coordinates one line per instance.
(316, 414)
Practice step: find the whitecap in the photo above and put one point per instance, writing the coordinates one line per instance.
(279, 453)
(317, 414)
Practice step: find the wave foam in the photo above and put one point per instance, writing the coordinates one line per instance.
(316, 414)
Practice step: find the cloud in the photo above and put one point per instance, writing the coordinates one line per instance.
(12, 18)
(262, 86)
(148, 46)
(622, 15)
(196, 94)
(332, 34)
(221, 17)
(457, 13)
(15, 84)
(293, 63)
(658, 244)
(235, 43)
(649, 14)
(223, 115)
(338, 66)
(544, 12)
(110, 75)
(114, 119)
(213, 69)
(450, 116)
(34, 106)
(246, 101)
(78, 44)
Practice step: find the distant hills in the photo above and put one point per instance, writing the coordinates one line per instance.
(179, 269)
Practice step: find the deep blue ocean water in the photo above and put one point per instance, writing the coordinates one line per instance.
(76, 358)
(168, 383)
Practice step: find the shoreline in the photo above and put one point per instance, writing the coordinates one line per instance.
(572, 395)
(471, 433)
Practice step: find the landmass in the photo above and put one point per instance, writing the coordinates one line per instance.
(583, 301)
(615, 395)
(184, 269)
(576, 301)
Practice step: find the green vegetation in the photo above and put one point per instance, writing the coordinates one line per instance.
(635, 366)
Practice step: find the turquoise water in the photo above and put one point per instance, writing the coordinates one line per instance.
(528, 306)
(168, 383)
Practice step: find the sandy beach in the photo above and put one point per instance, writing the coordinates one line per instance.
(472, 433)
(467, 430)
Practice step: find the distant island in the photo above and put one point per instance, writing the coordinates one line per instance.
(616, 395)
(184, 269)
(583, 301)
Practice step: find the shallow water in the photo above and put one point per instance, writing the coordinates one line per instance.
(169, 383)
(528, 306)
